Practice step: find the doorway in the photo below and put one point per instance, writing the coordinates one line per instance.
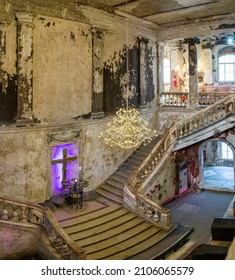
(217, 161)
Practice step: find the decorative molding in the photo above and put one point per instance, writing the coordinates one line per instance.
(64, 137)
(24, 17)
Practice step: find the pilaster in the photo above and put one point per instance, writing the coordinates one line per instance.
(2, 51)
(143, 85)
(24, 68)
(97, 87)
(193, 74)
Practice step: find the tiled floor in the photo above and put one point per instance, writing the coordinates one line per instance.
(220, 177)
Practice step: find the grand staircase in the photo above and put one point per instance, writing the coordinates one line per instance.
(111, 231)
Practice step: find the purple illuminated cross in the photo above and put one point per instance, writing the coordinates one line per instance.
(64, 162)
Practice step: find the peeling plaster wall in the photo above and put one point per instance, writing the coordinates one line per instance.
(22, 153)
(205, 65)
(163, 186)
(8, 95)
(62, 100)
(62, 69)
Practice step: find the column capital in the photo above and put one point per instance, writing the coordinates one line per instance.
(24, 17)
(98, 32)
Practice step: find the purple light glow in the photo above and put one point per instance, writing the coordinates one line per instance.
(72, 166)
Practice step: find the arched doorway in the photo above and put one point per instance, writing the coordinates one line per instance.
(217, 165)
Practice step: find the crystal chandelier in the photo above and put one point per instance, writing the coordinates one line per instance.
(127, 130)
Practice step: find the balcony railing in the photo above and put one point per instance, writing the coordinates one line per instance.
(206, 99)
(181, 99)
(176, 99)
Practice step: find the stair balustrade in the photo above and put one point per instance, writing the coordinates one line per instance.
(141, 177)
(206, 117)
(29, 213)
(206, 99)
(175, 99)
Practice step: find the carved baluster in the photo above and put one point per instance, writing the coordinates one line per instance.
(4, 214)
(186, 130)
(181, 131)
(23, 217)
(149, 212)
(190, 126)
(14, 217)
(156, 217)
(143, 208)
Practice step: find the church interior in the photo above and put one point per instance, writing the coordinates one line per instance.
(117, 124)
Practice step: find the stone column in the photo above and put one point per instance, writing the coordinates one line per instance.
(2, 52)
(160, 73)
(98, 87)
(193, 74)
(143, 85)
(24, 68)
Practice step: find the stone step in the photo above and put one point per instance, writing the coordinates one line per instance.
(134, 162)
(124, 173)
(112, 189)
(118, 178)
(128, 167)
(115, 183)
(142, 245)
(79, 227)
(118, 239)
(139, 157)
(110, 196)
(87, 217)
(104, 231)
(125, 246)
(175, 239)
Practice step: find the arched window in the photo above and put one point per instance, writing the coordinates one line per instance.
(227, 65)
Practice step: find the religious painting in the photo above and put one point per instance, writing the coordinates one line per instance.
(64, 166)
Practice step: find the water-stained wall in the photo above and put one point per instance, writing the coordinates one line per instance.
(47, 68)
(8, 78)
(62, 69)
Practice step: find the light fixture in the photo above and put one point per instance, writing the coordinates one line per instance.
(127, 129)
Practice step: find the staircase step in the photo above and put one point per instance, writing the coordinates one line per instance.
(128, 167)
(139, 157)
(118, 178)
(96, 222)
(138, 247)
(112, 189)
(87, 217)
(134, 162)
(116, 240)
(125, 246)
(110, 196)
(115, 183)
(124, 173)
(174, 239)
(107, 230)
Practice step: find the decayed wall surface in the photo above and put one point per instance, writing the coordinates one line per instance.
(57, 95)
(62, 69)
(162, 186)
